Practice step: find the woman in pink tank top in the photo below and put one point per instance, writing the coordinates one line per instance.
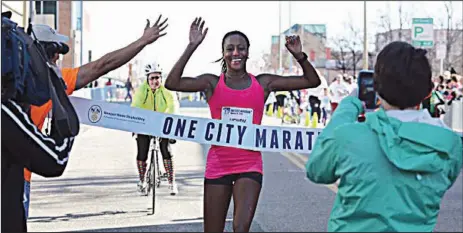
(233, 170)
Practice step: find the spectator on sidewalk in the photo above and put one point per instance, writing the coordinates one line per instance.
(349, 82)
(129, 88)
(338, 91)
(325, 105)
(109, 89)
(280, 97)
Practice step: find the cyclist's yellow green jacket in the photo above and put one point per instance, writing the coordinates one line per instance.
(161, 100)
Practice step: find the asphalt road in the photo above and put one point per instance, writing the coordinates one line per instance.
(97, 192)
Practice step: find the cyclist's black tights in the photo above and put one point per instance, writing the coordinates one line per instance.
(143, 146)
(217, 195)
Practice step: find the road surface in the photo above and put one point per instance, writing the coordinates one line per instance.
(97, 192)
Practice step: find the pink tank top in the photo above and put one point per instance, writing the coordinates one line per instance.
(223, 160)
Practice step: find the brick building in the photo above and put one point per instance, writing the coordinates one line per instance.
(63, 16)
(313, 38)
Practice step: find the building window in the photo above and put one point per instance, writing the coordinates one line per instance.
(45, 7)
(49, 7)
(38, 7)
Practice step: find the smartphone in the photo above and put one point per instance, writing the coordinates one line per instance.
(366, 91)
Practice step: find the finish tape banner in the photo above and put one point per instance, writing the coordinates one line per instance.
(234, 132)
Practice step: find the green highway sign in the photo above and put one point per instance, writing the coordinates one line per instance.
(423, 32)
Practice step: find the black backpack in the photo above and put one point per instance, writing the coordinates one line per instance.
(28, 77)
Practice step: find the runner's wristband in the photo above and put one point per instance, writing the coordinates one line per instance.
(303, 58)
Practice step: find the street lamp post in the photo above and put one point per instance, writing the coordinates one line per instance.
(24, 13)
(31, 11)
(365, 48)
(289, 33)
(81, 31)
(280, 61)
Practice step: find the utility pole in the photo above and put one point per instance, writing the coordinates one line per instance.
(289, 33)
(24, 14)
(81, 32)
(280, 62)
(31, 11)
(365, 47)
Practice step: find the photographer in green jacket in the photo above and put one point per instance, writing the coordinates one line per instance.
(152, 95)
(395, 167)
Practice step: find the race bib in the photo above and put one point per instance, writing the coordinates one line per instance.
(233, 114)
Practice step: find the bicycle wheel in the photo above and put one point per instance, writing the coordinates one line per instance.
(153, 183)
(158, 170)
(149, 180)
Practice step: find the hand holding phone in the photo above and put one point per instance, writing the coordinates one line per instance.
(366, 91)
(355, 93)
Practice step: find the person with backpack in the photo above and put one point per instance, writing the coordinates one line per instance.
(23, 144)
(79, 77)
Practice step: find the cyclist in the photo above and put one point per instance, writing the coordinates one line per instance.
(152, 95)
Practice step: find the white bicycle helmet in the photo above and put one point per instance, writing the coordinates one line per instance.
(152, 68)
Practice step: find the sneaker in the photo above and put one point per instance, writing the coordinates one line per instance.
(164, 177)
(173, 189)
(140, 187)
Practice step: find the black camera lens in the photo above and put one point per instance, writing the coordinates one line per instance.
(53, 48)
(64, 48)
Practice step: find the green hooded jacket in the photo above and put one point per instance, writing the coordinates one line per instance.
(394, 168)
(161, 100)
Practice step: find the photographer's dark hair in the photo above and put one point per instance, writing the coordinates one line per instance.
(224, 65)
(403, 75)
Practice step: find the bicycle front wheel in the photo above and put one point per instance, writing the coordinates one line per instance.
(153, 175)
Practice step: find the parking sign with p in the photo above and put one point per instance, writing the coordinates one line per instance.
(423, 32)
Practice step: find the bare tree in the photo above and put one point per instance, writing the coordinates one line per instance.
(339, 54)
(404, 19)
(348, 47)
(454, 35)
(453, 47)
(386, 23)
(354, 43)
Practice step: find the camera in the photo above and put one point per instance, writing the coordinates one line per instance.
(52, 48)
(29, 77)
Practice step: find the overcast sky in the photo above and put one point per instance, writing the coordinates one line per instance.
(116, 24)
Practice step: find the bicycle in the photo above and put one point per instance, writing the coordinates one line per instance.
(154, 175)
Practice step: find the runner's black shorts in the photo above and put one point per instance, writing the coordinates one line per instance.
(232, 178)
